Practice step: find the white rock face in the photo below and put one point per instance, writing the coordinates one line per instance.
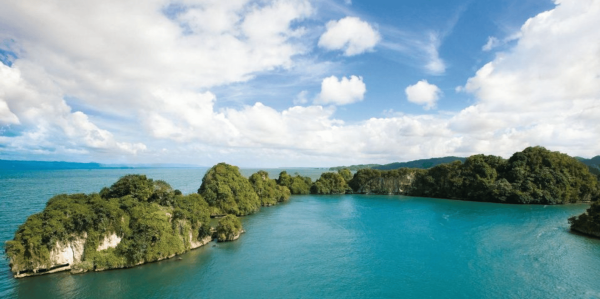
(196, 244)
(69, 252)
(110, 241)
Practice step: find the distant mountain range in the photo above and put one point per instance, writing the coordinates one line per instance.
(593, 164)
(41, 165)
(422, 163)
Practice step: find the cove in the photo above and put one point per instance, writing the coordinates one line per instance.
(367, 246)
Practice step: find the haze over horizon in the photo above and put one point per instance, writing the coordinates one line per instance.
(311, 83)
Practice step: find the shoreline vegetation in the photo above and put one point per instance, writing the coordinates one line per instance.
(138, 220)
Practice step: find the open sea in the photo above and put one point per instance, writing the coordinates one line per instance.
(345, 246)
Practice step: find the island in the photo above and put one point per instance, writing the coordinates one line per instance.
(136, 220)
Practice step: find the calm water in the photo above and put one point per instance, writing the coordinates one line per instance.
(332, 247)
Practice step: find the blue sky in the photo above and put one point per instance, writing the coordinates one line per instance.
(296, 82)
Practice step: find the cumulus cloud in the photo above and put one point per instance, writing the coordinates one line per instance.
(545, 90)
(341, 91)
(123, 58)
(46, 118)
(423, 93)
(6, 116)
(155, 74)
(350, 34)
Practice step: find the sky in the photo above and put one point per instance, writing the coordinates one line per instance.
(296, 82)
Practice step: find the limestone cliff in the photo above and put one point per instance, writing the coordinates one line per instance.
(370, 181)
(62, 257)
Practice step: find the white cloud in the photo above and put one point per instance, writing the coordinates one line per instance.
(491, 43)
(423, 93)
(301, 98)
(420, 48)
(123, 59)
(545, 90)
(6, 116)
(38, 108)
(341, 91)
(350, 34)
(435, 65)
(155, 73)
(494, 42)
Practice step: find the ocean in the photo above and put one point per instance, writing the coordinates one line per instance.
(343, 246)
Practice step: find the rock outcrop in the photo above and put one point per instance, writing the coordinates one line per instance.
(109, 241)
(587, 223)
(63, 256)
(231, 237)
(370, 181)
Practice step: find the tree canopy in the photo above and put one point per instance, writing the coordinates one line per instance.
(267, 189)
(296, 184)
(229, 228)
(228, 192)
(534, 175)
(149, 229)
(330, 183)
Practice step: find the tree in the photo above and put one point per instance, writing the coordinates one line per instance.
(267, 189)
(330, 183)
(296, 184)
(229, 228)
(228, 192)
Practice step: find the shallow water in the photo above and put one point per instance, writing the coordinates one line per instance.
(334, 247)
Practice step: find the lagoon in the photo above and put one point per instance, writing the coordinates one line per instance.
(354, 246)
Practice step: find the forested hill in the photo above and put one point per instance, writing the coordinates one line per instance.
(355, 167)
(422, 164)
(533, 176)
(593, 164)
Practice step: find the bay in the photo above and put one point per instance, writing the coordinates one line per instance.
(353, 246)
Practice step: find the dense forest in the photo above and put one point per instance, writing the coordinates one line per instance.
(533, 176)
(134, 221)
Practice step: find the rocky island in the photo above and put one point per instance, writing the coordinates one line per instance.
(136, 220)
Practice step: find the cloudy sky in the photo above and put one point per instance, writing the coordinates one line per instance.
(296, 82)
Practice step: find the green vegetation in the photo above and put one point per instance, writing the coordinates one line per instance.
(354, 167)
(229, 228)
(346, 174)
(593, 164)
(296, 184)
(152, 221)
(148, 221)
(228, 192)
(533, 176)
(422, 164)
(267, 189)
(330, 183)
(588, 222)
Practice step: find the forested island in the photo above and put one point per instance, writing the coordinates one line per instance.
(135, 221)
(139, 220)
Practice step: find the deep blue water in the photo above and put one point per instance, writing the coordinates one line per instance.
(349, 246)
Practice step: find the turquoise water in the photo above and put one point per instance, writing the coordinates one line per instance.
(333, 247)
